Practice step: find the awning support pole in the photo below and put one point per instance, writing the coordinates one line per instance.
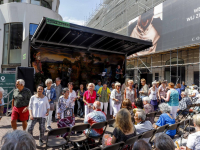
(125, 63)
(151, 63)
(177, 78)
(170, 65)
(199, 65)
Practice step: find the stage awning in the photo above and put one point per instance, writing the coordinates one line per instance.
(57, 33)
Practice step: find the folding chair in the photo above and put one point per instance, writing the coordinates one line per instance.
(111, 121)
(183, 125)
(98, 126)
(158, 130)
(76, 138)
(191, 113)
(117, 146)
(173, 127)
(148, 134)
(158, 113)
(96, 148)
(152, 114)
(132, 140)
(57, 142)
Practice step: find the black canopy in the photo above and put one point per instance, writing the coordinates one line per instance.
(58, 33)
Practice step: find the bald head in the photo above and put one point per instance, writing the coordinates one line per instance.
(97, 105)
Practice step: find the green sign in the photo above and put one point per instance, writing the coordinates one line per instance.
(24, 56)
(58, 23)
(7, 82)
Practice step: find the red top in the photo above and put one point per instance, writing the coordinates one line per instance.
(90, 98)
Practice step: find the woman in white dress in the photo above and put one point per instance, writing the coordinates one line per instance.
(116, 97)
(72, 95)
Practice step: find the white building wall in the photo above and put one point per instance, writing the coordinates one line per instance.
(26, 13)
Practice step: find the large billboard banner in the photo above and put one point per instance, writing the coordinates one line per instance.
(169, 25)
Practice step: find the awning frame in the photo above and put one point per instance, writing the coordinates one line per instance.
(124, 45)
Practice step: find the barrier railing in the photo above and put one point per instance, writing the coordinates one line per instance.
(8, 102)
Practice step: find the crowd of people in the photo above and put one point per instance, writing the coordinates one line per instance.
(127, 104)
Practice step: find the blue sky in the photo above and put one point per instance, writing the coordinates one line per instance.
(76, 11)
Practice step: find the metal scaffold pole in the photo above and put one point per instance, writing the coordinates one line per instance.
(170, 65)
(199, 66)
(151, 63)
(177, 77)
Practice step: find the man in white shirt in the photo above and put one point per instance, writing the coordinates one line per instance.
(142, 125)
(193, 142)
(38, 110)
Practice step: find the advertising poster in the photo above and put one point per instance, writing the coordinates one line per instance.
(169, 25)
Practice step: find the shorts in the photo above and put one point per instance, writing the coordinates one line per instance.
(18, 115)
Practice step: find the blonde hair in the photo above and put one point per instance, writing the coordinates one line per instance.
(129, 81)
(126, 81)
(143, 80)
(117, 84)
(92, 85)
(196, 120)
(123, 121)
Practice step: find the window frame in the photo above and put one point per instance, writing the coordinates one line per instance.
(157, 76)
(11, 1)
(42, 5)
(9, 42)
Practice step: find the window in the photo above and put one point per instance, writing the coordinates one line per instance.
(14, 1)
(157, 76)
(174, 61)
(35, 2)
(9, 70)
(32, 28)
(1, 1)
(44, 3)
(12, 43)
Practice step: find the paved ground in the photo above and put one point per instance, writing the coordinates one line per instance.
(5, 127)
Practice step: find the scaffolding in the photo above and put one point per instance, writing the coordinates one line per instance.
(114, 15)
(181, 64)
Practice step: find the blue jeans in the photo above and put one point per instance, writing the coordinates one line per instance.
(80, 107)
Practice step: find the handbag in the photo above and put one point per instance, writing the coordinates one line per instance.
(52, 106)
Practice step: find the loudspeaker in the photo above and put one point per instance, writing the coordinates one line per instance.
(147, 77)
(27, 74)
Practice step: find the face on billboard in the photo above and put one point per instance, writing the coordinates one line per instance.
(143, 27)
(173, 24)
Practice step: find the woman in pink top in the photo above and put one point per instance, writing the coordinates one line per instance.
(89, 98)
(162, 91)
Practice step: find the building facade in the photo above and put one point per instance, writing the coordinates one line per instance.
(18, 21)
(172, 26)
(114, 15)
